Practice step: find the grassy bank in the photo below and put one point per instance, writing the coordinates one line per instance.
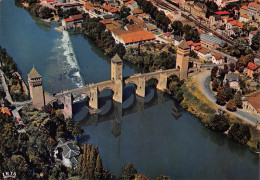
(199, 105)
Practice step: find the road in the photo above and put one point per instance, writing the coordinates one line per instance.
(203, 80)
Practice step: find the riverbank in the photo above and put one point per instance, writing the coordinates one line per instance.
(199, 105)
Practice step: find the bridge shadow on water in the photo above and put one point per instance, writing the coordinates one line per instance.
(114, 111)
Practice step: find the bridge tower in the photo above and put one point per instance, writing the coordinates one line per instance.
(35, 87)
(116, 77)
(182, 61)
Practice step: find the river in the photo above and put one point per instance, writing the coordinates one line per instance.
(141, 131)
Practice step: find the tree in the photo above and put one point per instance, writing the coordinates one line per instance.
(177, 27)
(221, 100)
(128, 172)
(256, 41)
(77, 130)
(240, 133)
(238, 100)
(231, 105)
(226, 69)
(219, 123)
(232, 67)
(99, 168)
(141, 177)
(228, 92)
(214, 71)
(215, 84)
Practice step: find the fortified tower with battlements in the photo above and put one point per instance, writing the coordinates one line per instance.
(35, 87)
(182, 60)
(116, 76)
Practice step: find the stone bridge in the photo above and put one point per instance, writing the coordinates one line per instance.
(41, 98)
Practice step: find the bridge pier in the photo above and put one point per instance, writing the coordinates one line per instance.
(140, 89)
(161, 99)
(162, 84)
(118, 91)
(93, 101)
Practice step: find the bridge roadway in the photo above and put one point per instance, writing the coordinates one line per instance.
(110, 83)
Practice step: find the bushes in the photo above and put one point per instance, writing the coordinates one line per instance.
(219, 123)
(240, 133)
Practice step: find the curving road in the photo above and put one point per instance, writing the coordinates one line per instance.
(203, 80)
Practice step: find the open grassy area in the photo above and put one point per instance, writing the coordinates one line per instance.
(198, 104)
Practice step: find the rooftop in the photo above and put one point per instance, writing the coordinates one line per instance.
(244, 7)
(133, 37)
(204, 51)
(189, 43)
(254, 5)
(253, 99)
(221, 13)
(218, 56)
(252, 66)
(231, 77)
(183, 45)
(34, 74)
(76, 17)
(5, 110)
(116, 59)
(213, 39)
(68, 20)
(89, 7)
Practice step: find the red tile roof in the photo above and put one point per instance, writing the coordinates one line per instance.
(204, 51)
(189, 43)
(138, 36)
(233, 23)
(166, 34)
(254, 5)
(88, 7)
(244, 7)
(5, 110)
(196, 44)
(245, 16)
(252, 66)
(218, 56)
(199, 31)
(131, 2)
(106, 7)
(76, 17)
(68, 20)
(230, 19)
(137, 11)
(253, 99)
(135, 19)
(222, 13)
(197, 48)
(50, 0)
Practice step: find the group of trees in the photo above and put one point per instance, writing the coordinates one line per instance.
(67, 13)
(225, 94)
(90, 164)
(190, 34)
(239, 48)
(9, 67)
(238, 132)
(174, 87)
(41, 11)
(151, 61)
(129, 172)
(256, 41)
(161, 20)
(31, 154)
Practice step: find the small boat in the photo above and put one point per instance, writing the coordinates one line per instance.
(93, 111)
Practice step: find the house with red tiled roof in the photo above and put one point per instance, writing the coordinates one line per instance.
(137, 12)
(190, 43)
(166, 36)
(243, 18)
(251, 69)
(106, 8)
(135, 19)
(129, 38)
(132, 5)
(217, 58)
(253, 10)
(72, 22)
(204, 54)
(243, 10)
(222, 3)
(251, 103)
